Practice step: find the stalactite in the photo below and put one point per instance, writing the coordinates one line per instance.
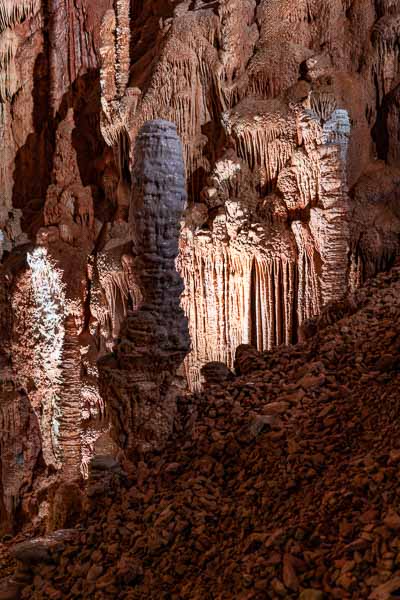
(265, 141)
(117, 291)
(375, 228)
(8, 47)
(89, 438)
(123, 36)
(114, 290)
(118, 101)
(308, 295)
(234, 296)
(72, 54)
(15, 11)
(286, 285)
(217, 302)
(273, 293)
(8, 69)
(180, 99)
(386, 40)
(387, 7)
(238, 36)
(323, 104)
(108, 59)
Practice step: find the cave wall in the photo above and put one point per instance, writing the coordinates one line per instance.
(284, 109)
(288, 113)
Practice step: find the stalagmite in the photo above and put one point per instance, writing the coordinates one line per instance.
(137, 379)
(330, 220)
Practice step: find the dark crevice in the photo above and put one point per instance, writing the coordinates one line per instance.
(34, 160)
(254, 308)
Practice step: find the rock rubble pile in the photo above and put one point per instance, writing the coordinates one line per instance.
(281, 482)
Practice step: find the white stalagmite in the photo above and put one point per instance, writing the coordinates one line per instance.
(49, 297)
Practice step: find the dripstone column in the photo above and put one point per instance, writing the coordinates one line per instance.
(137, 379)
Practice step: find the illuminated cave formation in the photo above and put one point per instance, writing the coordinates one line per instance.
(138, 377)
(49, 333)
(288, 118)
(275, 134)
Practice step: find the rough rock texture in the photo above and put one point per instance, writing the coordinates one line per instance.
(288, 114)
(284, 108)
(282, 483)
(138, 378)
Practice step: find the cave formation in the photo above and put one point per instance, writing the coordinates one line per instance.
(186, 187)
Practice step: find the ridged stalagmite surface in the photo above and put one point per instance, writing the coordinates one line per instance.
(138, 378)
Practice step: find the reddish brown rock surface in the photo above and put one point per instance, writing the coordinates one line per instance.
(282, 483)
(288, 114)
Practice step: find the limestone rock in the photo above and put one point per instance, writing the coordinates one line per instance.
(137, 379)
(41, 550)
(307, 509)
(288, 114)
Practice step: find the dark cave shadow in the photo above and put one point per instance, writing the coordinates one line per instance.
(380, 130)
(380, 133)
(92, 152)
(34, 160)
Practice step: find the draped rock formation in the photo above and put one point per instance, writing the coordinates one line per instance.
(281, 108)
(288, 114)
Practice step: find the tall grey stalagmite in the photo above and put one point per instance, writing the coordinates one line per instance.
(137, 379)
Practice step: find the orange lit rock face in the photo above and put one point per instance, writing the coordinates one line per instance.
(288, 114)
(283, 109)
